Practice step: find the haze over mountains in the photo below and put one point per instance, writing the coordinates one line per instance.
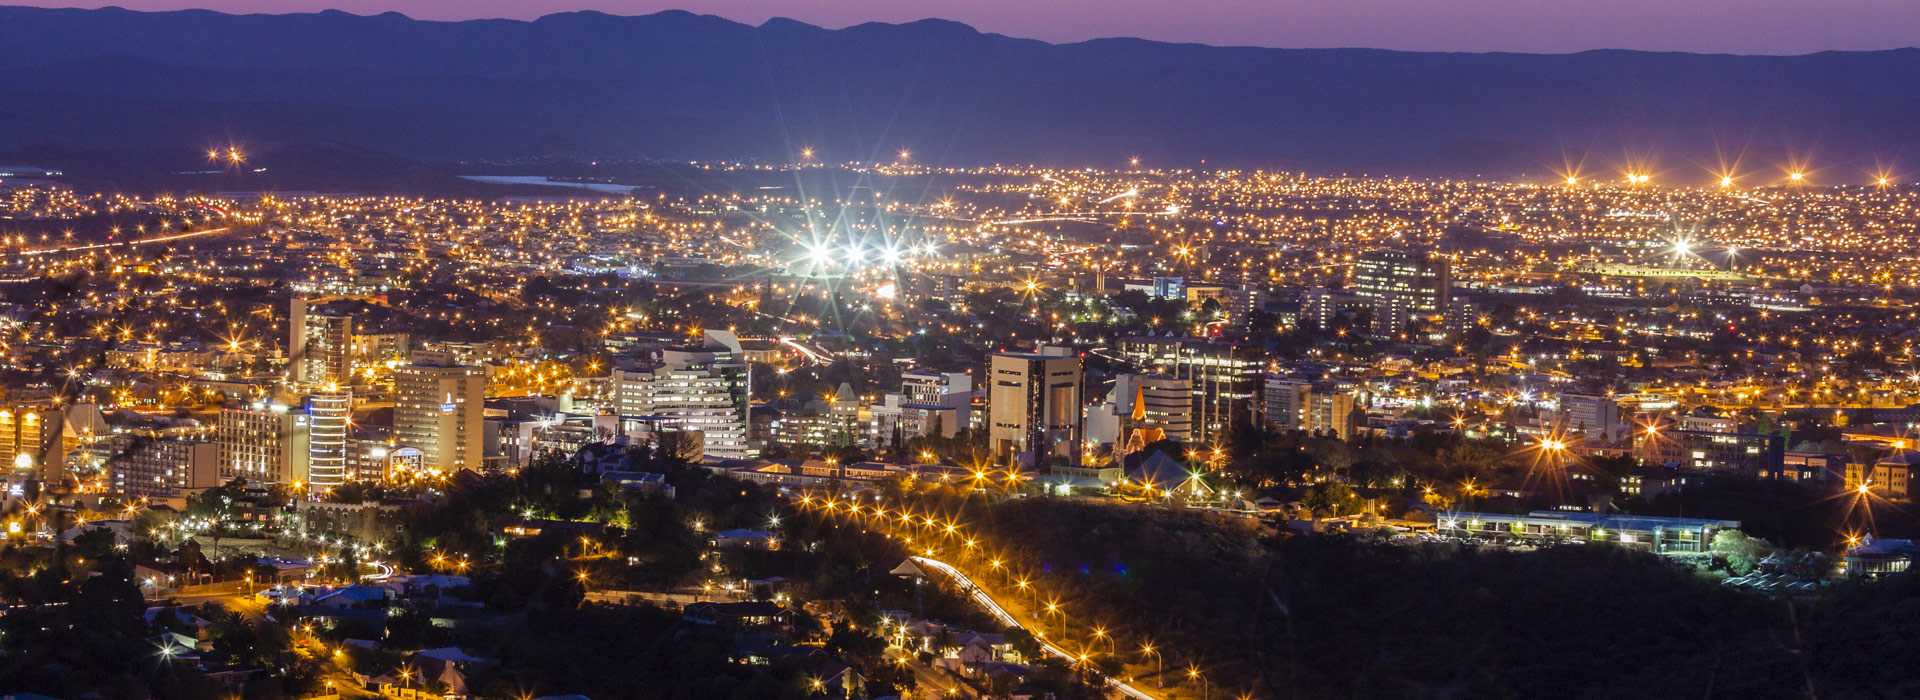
(680, 86)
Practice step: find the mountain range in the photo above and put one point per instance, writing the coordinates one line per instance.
(677, 86)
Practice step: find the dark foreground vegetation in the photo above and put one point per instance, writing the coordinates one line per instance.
(1285, 615)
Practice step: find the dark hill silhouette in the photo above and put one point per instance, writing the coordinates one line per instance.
(677, 85)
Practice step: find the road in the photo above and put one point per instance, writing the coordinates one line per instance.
(994, 608)
(125, 244)
(236, 598)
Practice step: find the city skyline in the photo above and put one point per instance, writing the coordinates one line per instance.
(665, 356)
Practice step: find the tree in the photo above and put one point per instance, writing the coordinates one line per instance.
(1332, 498)
(1741, 551)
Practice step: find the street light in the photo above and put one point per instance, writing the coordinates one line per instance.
(1159, 663)
(1206, 686)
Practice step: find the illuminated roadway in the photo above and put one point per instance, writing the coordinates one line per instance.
(127, 244)
(1006, 618)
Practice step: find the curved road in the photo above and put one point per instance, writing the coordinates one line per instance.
(1006, 618)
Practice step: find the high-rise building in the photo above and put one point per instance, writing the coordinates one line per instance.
(264, 441)
(438, 409)
(320, 344)
(929, 403)
(1422, 277)
(703, 389)
(1392, 316)
(1332, 412)
(1284, 402)
(1402, 286)
(1243, 302)
(328, 416)
(163, 467)
(1316, 407)
(1596, 417)
(1462, 317)
(29, 447)
(1224, 378)
(929, 388)
(370, 348)
(1320, 306)
(1034, 405)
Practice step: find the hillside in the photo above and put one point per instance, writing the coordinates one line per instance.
(676, 85)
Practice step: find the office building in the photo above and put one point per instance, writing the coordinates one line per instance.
(833, 421)
(1462, 317)
(30, 445)
(1170, 288)
(1330, 411)
(1033, 401)
(1242, 303)
(1392, 318)
(438, 408)
(329, 414)
(1421, 278)
(929, 404)
(930, 388)
(320, 344)
(1811, 466)
(702, 390)
(1283, 402)
(1402, 287)
(381, 347)
(1891, 477)
(1752, 454)
(1224, 378)
(163, 468)
(1595, 417)
(264, 441)
(1319, 306)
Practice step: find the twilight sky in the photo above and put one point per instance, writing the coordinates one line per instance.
(1733, 26)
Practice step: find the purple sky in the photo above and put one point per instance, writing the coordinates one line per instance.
(1735, 26)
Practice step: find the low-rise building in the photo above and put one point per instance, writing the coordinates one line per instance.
(1657, 534)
